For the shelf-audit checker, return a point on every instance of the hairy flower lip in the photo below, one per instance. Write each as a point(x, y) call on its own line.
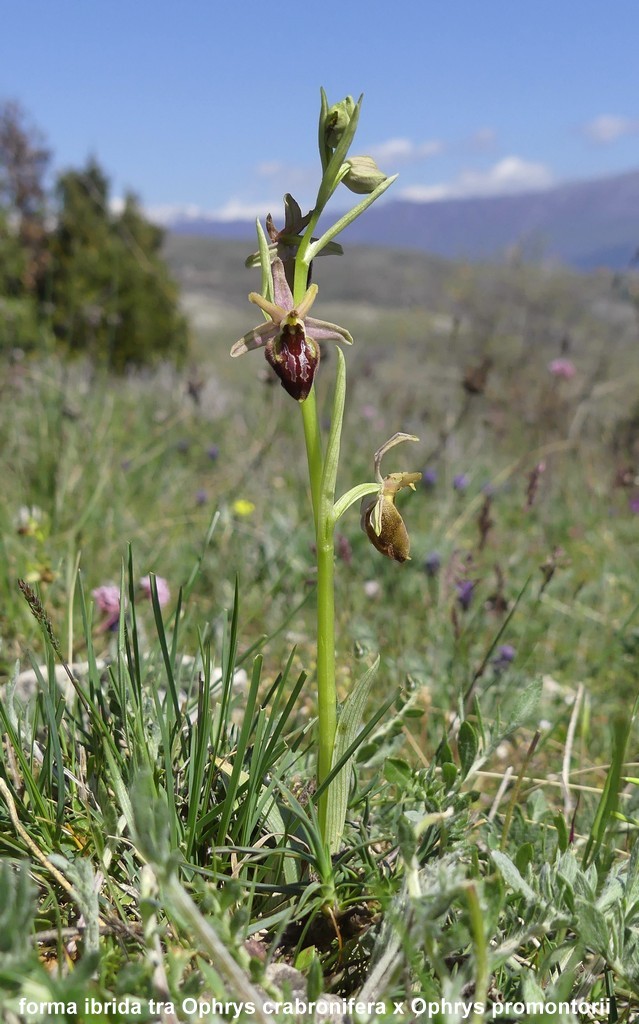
point(290, 337)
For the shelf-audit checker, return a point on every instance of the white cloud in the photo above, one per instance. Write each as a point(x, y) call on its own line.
point(507, 177)
point(237, 209)
point(394, 151)
point(167, 214)
point(608, 128)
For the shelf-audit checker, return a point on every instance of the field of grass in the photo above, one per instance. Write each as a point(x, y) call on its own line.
point(158, 832)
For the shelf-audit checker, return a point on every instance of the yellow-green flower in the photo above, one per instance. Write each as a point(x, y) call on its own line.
point(243, 507)
point(381, 521)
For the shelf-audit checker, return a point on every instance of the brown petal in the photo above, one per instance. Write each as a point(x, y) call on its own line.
point(393, 540)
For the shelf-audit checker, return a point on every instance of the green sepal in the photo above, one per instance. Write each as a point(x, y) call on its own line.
point(355, 494)
point(265, 262)
point(324, 148)
point(255, 259)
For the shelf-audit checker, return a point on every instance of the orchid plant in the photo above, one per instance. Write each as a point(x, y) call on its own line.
point(291, 341)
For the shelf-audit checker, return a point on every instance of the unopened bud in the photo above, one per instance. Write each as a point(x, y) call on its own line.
point(337, 120)
point(363, 175)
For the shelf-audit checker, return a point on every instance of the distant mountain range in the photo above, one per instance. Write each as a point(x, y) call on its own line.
point(585, 224)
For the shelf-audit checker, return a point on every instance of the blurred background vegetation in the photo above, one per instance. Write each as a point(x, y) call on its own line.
point(124, 420)
point(75, 276)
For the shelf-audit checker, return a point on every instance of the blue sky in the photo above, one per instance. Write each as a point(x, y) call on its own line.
point(213, 105)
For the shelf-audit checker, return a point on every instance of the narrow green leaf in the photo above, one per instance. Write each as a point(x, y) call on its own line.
point(468, 745)
point(610, 796)
point(242, 743)
point(331, 460)
point(315, 248)
point(348, 726)
point(563, 838)
point(265, 261)
point(164, 647)
point(195, 571)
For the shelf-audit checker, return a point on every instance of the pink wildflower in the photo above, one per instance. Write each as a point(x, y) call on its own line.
point(164, 594)
point(107, 601)
point(562, 368)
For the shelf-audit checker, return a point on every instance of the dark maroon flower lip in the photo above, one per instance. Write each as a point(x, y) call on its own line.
point(290, 337)
point(295, 359)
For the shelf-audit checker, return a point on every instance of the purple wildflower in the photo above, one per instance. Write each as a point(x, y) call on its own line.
point(213, 451)
point(634, 504)
point(505, 655)
point(429, 477)
point(164, 594)
point(201, 497)
point(460, 482)
point(465, 591)
point(563, 368)
point(432, 563)
point(107, 601)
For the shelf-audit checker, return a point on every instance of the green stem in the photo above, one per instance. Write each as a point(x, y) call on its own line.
point(302, 260)
point(326, 690)
point(314, 457)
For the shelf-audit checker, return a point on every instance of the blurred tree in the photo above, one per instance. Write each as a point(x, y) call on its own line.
point(112, 294)
point(70, 263)
point(24, 160)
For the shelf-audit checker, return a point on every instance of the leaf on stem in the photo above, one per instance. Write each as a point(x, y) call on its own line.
point(348, 727)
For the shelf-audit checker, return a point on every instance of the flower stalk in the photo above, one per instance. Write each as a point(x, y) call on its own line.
point(291, 341)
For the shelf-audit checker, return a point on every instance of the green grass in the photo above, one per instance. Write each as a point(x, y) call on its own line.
point(158, 825)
